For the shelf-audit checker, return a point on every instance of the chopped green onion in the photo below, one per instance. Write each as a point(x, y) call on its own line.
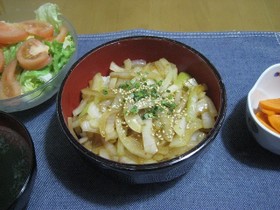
point(134, 110)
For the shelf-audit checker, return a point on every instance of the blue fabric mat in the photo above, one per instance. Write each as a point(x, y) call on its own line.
point(235, 173)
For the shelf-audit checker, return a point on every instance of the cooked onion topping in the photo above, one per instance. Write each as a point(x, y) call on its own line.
point(142, 113)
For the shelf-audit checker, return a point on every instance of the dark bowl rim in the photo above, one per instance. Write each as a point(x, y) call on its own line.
point(33, 167)
point(153, 166)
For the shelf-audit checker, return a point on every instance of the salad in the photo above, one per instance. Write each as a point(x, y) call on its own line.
point(33, 51)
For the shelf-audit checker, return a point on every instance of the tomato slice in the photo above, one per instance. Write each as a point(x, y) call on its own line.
point(10, 85)
point(2, 61)
point(33, 55)
point(11, 33)
point(2, 95)
point(62, 34)
point(38, 28)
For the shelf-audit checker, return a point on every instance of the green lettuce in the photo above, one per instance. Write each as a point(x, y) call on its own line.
point(50, 13)
point(31, 80)
point(60, 52)
point(10, 52)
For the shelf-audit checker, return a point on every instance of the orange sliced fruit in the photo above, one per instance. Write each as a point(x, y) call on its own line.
point(271, 104)
point(274, 121)
point(263, 118)
point(268, 112)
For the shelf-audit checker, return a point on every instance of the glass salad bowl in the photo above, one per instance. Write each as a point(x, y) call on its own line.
point(48, 89)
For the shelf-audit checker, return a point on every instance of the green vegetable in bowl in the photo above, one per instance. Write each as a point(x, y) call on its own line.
point(49, 13)
point(40, 48)
point(60, 52)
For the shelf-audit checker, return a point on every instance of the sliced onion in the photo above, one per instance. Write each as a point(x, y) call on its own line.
point(207, 120)
point(116, 68)
point(131, 144)
point(149, 141)
point(134, 122)
point(138, 62)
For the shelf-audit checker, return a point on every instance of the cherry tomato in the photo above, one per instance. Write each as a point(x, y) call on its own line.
point(10, 85)
point(2, 61)
point(38, 28)
point(11, 33)
point(62, 34)
point(33, 55)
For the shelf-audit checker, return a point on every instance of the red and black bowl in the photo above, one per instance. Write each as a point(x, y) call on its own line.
point(149, 49)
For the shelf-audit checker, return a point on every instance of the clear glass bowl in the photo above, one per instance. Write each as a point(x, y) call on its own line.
point(47, 90)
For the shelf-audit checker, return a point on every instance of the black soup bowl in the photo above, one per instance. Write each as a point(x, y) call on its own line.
point(17, 161)
point(149, 49)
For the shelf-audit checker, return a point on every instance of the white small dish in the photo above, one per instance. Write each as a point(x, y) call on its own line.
point(266, 87)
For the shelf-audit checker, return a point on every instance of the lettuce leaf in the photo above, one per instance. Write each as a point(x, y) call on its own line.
point(50, 13)
point(60, 52)
point(31, 80)
point(10, 52)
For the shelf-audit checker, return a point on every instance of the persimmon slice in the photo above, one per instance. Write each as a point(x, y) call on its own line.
point(269, 114)
point(274, 120)
point(264, 120)
point(267, 111)
point(271, 104)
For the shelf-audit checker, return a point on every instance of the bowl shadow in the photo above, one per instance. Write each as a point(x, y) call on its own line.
point(28, 115)
point(241, 144)
point(87, 181)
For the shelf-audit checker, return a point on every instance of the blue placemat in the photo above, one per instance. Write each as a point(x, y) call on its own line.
point(235, 173)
